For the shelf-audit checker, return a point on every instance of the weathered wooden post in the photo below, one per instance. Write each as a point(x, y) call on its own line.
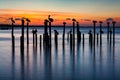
point(110, 36)
point(108, 30)
point(94, 24)
point(67, 36)
point(83, 40)
point(71, 40)
point(73, 34)
point(64, 24)
point(56, 37)
point(46, 27)
point(101, 32)
point(50, 21)
point(27, 30)
point(78, 33)
point(12, 35)
point(45, 35)
point(33, 37)
point(40, 41)
point(97, 38)
point(36, 37)
point(114, 32)
point(22, 37)
point(90, 38)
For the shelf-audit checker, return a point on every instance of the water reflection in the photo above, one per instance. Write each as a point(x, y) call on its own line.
point(63, 62)
point(13, 64)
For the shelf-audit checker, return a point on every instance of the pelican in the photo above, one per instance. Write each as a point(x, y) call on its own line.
point(50, 19)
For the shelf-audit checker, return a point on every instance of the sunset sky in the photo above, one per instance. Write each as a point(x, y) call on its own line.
point(83, 11)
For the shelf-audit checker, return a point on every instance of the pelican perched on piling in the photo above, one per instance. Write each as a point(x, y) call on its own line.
point(12, 20)
point(50, 19)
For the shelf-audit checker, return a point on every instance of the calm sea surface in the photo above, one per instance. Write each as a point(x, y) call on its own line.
point(83, 64)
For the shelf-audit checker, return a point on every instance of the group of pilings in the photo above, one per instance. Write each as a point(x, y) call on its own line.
point(70, 35)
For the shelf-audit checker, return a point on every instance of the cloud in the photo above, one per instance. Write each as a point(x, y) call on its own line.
point(1, 17)
point(17, 18)
point(86, 19)
point(68, 18)
point(109, 19)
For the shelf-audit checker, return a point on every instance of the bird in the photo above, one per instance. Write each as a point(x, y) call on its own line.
point(94, 21)
point(46, 20)
point(12, 20)
point(73, 20)
point(27, 20)
point(50, 19)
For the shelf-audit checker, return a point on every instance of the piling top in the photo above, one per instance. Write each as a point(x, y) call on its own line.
point(108, 23)
point(34, 31)
point(89, 32)
point(56, 32)
point(94, 21)
point(100, 22)
point(77, 22)
point(113, 22)
point(46, 20)
point(64, 22)
point(73, 20)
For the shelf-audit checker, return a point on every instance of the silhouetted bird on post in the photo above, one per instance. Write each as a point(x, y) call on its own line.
point(50, 21)
point(12, 26)
point(27, 30)
point(12, 35)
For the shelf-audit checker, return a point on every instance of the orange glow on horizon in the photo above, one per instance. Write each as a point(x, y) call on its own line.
point(38, 17)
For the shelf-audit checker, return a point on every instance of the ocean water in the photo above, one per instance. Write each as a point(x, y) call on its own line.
point(61, 64)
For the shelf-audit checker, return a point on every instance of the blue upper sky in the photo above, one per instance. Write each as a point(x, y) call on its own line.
point(98, 7)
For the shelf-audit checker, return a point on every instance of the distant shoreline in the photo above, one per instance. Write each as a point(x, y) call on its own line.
point(5, 27)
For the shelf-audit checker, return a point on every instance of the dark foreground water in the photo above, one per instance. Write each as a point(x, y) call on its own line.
point(61, 64)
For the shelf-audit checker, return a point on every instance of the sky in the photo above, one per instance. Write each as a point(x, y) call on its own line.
point(84, 11)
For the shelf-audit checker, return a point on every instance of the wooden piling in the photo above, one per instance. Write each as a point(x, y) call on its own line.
point(13, 44)
point(36, 38)
point(114, 32)
point(110, 36)
point(56, 37)
point(94, 24)
point(71, 41)
point(50, 33)
point(101, 32)
point(22, 37)
point(108, 30)
point(40, 41)
point(83, 40)
point(97, 38)
point(64, 23)
point(27, 32)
